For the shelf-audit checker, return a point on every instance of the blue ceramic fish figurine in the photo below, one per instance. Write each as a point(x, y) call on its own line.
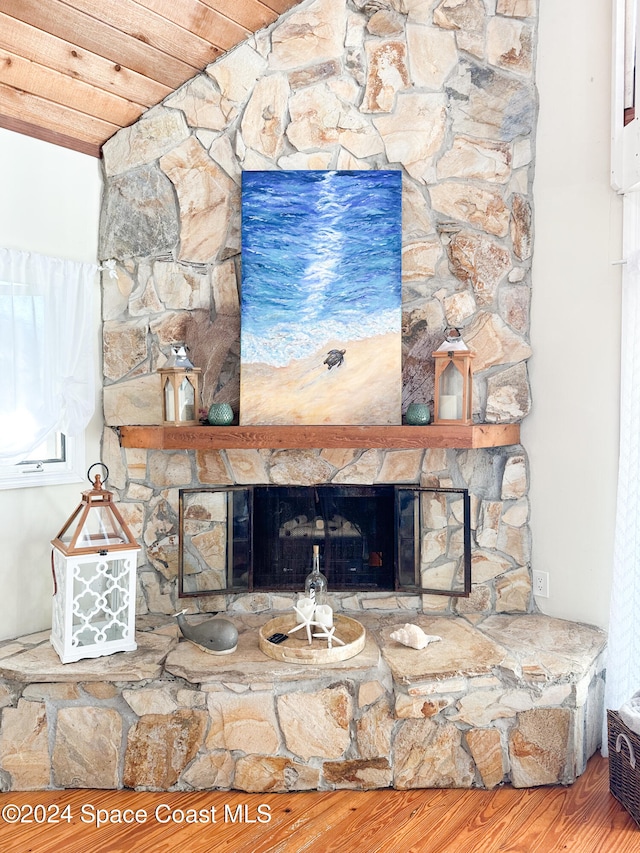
point(215, 636)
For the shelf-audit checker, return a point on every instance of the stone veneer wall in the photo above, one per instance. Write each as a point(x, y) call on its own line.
point(441, 89)
point(502, 699)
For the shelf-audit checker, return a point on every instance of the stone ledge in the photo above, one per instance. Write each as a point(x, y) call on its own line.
point(532, 647)
point(499, 699)
point(41, 663)
point(249, 665)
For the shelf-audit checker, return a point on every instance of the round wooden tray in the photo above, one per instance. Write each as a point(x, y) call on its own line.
point(296, 648)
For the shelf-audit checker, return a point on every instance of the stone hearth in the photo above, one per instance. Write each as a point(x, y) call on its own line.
point(502, 698)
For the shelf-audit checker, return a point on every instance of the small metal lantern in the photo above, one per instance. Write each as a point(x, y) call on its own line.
point(94, 572)
point(180, 389)
point(453, 396)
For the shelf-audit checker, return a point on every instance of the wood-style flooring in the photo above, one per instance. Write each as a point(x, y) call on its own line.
point(582, 818)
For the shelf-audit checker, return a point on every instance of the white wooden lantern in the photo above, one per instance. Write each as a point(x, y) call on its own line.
point(180, 389)
point(94, 572)
point(453, 393)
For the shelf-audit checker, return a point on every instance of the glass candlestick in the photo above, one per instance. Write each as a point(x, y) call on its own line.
point(315, 585)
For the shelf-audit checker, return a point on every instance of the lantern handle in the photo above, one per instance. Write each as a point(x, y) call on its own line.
point(98, 465)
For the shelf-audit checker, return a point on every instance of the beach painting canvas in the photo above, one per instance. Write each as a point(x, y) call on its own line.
point(321, 297)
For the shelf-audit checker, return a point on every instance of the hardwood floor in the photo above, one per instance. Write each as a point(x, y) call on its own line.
point(583, 818)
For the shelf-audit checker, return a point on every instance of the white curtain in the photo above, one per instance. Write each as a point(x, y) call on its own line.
point(46, 349)
point(623, 657)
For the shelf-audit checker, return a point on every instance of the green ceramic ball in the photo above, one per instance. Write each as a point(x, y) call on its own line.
point(418, 414)
point(220, 414)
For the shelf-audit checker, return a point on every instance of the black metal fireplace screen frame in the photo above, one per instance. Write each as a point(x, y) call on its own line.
point(407, 539)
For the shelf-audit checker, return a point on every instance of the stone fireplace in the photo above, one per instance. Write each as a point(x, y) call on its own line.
point(358, 94)
point(443, 91)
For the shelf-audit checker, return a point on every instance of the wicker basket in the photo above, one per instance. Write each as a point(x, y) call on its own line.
point(624, 764)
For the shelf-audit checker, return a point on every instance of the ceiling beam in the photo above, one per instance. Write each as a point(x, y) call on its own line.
point(36, 131)
point(20, 110)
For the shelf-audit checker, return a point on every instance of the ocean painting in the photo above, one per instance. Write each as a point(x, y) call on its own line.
point(321, 297)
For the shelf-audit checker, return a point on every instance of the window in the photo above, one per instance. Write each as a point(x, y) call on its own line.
point(59, 459)
point(46, 368)
point(625, 115)
point(629, 59)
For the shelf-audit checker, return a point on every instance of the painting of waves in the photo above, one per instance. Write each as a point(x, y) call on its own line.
point(321, 297)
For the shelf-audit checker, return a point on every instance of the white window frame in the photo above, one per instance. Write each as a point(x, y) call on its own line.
point(625, 139)
point(47, 473)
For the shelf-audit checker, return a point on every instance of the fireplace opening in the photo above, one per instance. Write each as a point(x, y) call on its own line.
point(353, 527)
point(259, 538)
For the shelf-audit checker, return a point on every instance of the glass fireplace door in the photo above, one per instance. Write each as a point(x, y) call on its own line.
point(261, 538)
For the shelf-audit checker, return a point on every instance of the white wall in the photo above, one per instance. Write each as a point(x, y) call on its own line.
point(49, 203)
point(572, 433)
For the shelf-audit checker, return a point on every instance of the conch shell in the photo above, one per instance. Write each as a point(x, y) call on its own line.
point(413, 636)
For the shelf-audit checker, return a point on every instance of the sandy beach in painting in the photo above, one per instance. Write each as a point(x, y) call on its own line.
point(364, 389)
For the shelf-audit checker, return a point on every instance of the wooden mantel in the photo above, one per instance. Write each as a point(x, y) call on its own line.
point(298, 437)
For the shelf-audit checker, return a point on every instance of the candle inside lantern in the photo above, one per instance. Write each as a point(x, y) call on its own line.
point(449, 407)
point(306, 606)
point(324, 615)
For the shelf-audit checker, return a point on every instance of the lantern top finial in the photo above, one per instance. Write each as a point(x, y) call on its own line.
point(98, 490)
point(98, 481)
point(179, 358)
point(453, 342)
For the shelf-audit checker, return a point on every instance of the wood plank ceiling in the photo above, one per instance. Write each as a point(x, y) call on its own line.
point(73, 72)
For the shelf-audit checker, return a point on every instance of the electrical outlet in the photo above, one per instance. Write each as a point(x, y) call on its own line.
point(541, 584)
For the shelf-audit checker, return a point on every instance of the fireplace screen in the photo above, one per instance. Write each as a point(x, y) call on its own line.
point(370, 538)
